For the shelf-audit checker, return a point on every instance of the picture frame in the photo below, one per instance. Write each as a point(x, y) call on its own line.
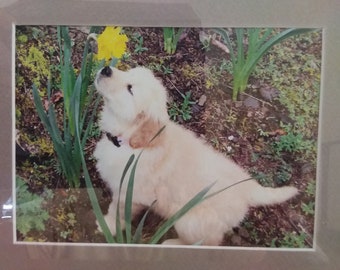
point(304, 14)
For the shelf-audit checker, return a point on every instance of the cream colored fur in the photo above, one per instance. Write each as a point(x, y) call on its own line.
point(175, 166)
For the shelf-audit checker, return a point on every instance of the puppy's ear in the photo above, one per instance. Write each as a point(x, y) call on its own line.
point(148, 134)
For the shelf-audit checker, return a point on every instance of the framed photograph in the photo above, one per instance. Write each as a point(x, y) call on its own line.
point(241, 93)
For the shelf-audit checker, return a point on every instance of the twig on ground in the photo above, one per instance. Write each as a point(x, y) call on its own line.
point(175, 87)
point(296, 229)
point(262, 101)
point(204, 37)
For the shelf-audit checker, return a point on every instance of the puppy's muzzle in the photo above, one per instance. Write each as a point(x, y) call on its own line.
point(106, 71)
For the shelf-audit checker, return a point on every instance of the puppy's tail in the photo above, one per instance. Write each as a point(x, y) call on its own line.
point(261, 196)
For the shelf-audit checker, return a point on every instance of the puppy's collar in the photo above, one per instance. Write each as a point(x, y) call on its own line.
point(117, 141)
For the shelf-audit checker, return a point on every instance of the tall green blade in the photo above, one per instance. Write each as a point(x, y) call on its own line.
point(230, 186)
point(40, 109)
point(128, 201)
point(240, 49)
point(119, 231)
point(75, 109)
point(138, 233)
point(94, 202)
point(253, 40)
point(89, 187)
point(87, 109)
point(86, 71)
point(264, 37)
point(186, 208)
point(55, 132)
point(68, 76)
point(90, 121)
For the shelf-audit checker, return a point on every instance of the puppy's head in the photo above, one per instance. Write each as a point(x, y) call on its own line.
point(136, 97)
point(130, 93)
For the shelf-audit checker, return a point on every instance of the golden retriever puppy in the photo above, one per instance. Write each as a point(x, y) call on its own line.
point(174, 167)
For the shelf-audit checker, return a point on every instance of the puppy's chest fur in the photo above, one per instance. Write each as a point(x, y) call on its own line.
point(112, 159)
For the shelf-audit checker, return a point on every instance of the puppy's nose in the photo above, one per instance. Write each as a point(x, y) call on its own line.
point(106, 71)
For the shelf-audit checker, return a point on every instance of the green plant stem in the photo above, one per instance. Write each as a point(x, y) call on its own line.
point(171, 38)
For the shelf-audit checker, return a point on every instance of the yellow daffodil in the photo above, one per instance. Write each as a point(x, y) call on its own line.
point(111, 43)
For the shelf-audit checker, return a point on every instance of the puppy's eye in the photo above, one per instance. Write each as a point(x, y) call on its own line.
point(129, 88)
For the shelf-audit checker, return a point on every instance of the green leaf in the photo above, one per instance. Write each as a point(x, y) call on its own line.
point(197, 199)
point(138, 234)
point(68, 76)
point(40, 109)
point(119, 231)
point(90, 190)
point(90, 121)
point(223, 189)
point(240, 51)
point(128, 201)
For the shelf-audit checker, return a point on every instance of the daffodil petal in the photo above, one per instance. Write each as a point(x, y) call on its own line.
point(111, 43)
